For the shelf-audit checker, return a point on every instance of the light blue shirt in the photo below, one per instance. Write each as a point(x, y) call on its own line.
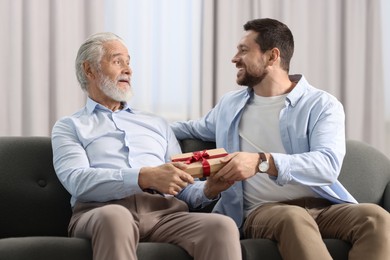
point(312, 132)
point(98, 153)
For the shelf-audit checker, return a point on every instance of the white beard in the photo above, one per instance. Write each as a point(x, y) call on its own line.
point(109, 88)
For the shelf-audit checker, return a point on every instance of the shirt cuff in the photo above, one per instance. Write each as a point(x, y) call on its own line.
point(130, 180)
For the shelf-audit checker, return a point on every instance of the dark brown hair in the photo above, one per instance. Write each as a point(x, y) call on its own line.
point(273, 34)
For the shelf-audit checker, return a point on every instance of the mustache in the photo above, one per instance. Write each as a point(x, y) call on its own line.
point(239, 65)
point(123, 78)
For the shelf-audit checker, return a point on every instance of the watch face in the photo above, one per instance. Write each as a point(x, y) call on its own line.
point(264, 166)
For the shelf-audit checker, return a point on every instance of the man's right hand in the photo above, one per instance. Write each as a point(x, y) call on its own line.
point(167, 178)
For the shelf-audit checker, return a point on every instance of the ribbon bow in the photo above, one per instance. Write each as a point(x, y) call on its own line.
point(200, 156)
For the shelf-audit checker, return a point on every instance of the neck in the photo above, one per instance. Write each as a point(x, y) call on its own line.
point(113, 105)
point(274, 86)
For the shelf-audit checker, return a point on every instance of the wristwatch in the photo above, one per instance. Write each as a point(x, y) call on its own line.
point(264, 165)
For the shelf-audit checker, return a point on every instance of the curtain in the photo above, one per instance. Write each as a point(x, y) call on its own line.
point(337, 47)
point(385, 7)
point(181, 55)
point(40, 39)
point(163, 41)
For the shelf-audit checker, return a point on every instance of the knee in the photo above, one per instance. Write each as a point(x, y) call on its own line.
point(374, 217)
point(220, 226)
point(114, 218)
point(295, 216)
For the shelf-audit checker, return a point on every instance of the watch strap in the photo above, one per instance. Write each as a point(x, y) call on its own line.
point(263, 158)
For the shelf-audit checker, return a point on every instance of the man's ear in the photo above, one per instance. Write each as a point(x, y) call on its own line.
point(274, 54)
point(88, 70)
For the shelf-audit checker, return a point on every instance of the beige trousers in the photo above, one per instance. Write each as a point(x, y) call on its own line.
point(116, 227)
point(300, 225)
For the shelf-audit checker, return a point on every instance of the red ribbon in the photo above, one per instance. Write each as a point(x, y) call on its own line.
point(200, 156)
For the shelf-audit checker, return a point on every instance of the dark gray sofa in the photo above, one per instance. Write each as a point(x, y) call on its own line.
point(35, 207)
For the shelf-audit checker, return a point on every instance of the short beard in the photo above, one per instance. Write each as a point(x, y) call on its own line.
point(251, 80)
point(109, 88)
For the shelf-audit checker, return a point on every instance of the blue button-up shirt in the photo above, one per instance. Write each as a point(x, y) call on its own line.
point(312, 132)
point(98, 153)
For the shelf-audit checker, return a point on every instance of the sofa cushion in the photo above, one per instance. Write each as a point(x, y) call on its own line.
point(269, 249)
point(161, 251)
point(64, 248)
point(35, 201)
point(38, 248)
point(250, 249)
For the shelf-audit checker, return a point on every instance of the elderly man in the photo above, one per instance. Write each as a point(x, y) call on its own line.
point(113, 159)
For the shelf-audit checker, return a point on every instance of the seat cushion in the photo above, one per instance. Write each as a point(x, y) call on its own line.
point(254, 249)
point(38, 248)
point(161, 251)
point(65, 248)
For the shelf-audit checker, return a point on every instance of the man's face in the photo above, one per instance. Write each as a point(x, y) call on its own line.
point(115, 76)
point(250, 61)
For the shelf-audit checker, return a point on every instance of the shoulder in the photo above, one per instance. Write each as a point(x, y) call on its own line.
point(68, 122)
point(308, 94)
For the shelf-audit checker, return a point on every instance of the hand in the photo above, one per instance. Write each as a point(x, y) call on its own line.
point(215, 185)
point(239, 166)
point(167, 178)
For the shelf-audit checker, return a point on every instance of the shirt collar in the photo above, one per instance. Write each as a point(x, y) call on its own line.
point(296, 94)
point(92, 105)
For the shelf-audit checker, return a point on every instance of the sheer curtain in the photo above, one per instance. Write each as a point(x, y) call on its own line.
point(385, 7)
point(338, 49)
point(163, 40)
point(40, 39)
point(181, 55)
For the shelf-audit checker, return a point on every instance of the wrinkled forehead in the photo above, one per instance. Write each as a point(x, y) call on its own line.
point(114, 49)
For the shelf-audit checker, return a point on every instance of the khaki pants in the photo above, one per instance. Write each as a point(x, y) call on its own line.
point(116, 227)
point(300, 225)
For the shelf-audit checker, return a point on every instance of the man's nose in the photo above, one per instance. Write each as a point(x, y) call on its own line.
point(127, 70)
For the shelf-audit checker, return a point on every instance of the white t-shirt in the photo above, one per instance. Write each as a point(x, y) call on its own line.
point(259, 132)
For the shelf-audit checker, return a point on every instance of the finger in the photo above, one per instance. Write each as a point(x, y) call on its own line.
point(182, 174)
point(228, 157)
point(171, 191)
point(182, 184)
point(180, 181)
point(174, 189)
point(180, 165)
point(224, 170)
point(186, 177)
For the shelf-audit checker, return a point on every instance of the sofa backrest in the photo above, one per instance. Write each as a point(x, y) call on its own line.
point(32, 200)
point(193, 145)
point(366, 173)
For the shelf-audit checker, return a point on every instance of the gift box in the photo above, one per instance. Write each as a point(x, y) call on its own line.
point(202, 163)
